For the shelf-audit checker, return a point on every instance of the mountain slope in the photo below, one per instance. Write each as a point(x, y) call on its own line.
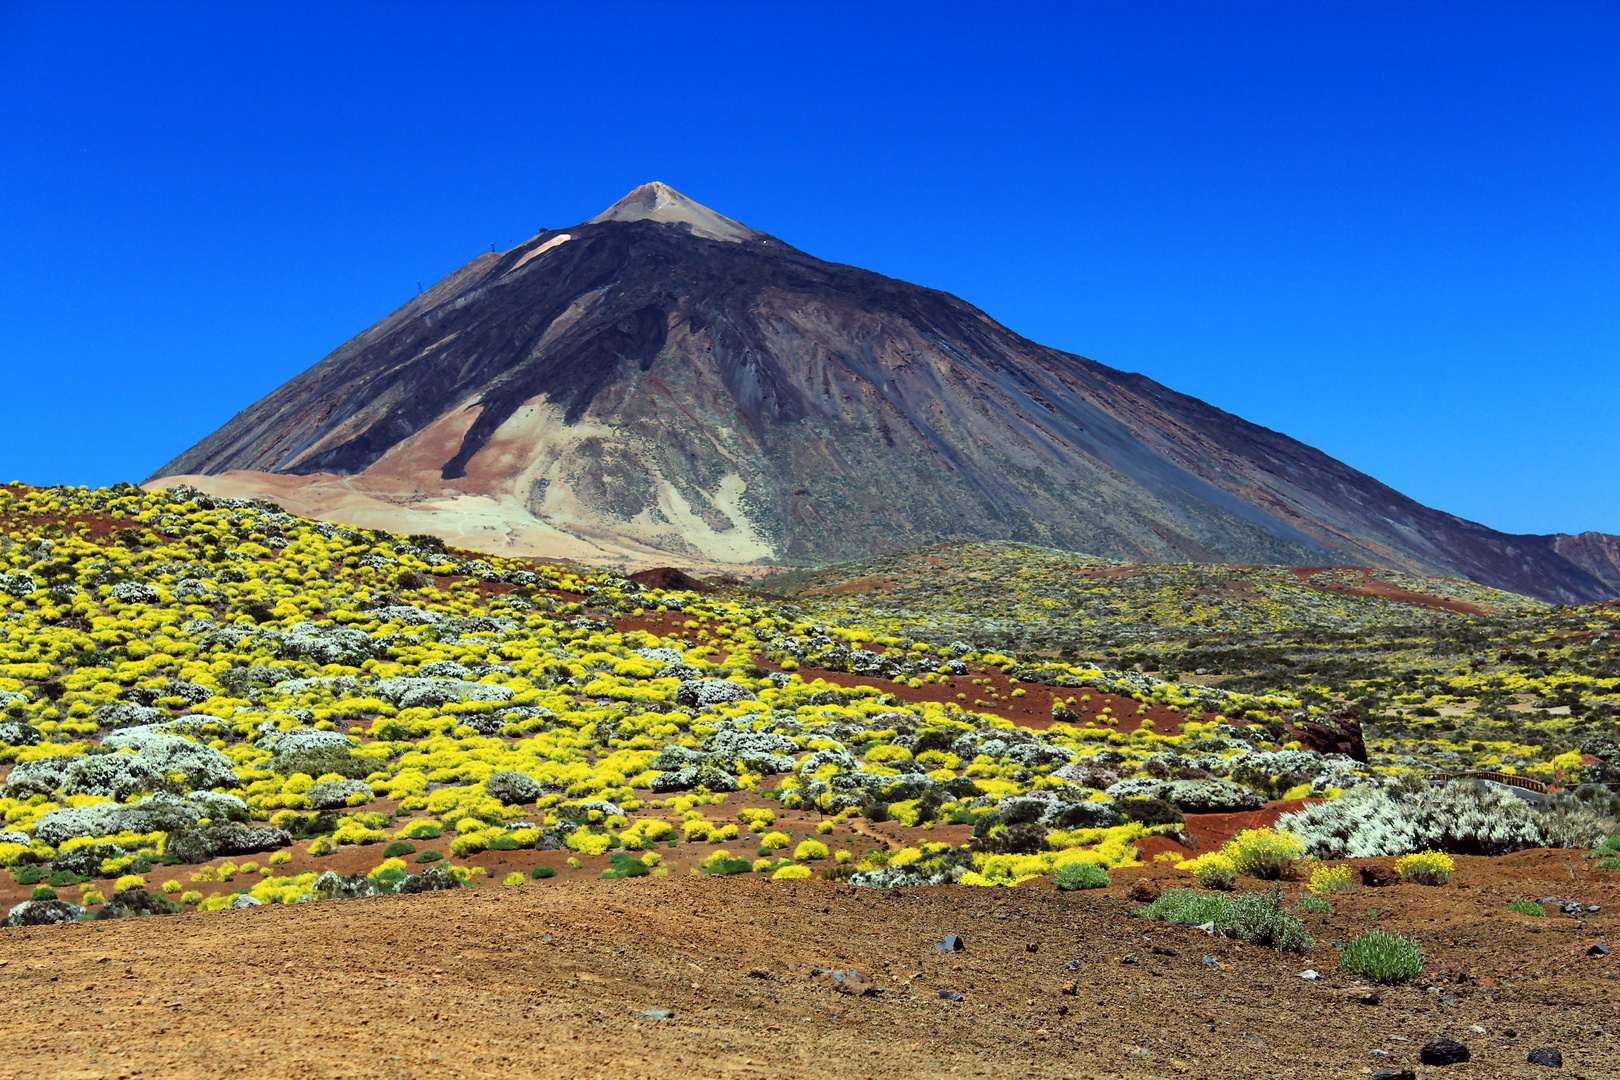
point(666, 378)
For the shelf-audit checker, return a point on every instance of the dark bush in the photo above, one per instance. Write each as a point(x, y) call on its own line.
point(141, 902)
point(85, 861)
point(319, 760)
point(399, 848)
point(433, 879)
point(1021, 839)
point(1149, 811)
point(540, 872)
point(411, 580)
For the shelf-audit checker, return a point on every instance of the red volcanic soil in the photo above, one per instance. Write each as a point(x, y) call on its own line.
point(1373, 586)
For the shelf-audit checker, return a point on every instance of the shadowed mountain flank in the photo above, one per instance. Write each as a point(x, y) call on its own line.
point(666, 377)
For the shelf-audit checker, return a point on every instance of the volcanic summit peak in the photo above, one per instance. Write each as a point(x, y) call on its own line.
point(660, 202)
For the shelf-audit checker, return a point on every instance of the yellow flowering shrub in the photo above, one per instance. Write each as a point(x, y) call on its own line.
point(586, 842)
point(1212, 870)
point(810, 850)
point(1426, 867)
point(791, 872)
point(1262, 853)
point(757, 820)
point(1330, 879)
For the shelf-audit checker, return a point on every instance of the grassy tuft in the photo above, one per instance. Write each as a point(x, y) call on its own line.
point(1383, 957)
point(1080, 875)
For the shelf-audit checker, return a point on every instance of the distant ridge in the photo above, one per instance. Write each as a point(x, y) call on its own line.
point(665, 384)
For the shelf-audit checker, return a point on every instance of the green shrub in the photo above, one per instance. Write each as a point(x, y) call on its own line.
point(27, 875)
point(624, 865)
point(1259, 918)
point(1184, 905)
point(1315, 905)
point(1080, 875)
point(398, 848)
point(1383, 957)
point(44, 892)
point(541, 872)
point(1609, 864)
point(727, 867)
point(429, 856)
point(1526, 907)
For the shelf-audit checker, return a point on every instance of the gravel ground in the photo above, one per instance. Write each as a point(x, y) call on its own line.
point(549, 979)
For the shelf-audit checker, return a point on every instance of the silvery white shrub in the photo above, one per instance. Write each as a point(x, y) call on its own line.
point(134, 592)
point(18, 583)
point(700, 693)
point(513, 787)
point(334, 794)
point(408, 693)
point(328, 644)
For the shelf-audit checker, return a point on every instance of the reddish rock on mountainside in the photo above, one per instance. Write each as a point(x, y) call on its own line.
point(1343, 737)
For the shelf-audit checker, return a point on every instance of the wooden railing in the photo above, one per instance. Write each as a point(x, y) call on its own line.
point(1498, 777)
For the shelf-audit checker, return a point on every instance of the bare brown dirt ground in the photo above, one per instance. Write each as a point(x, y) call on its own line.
point(1053, 985)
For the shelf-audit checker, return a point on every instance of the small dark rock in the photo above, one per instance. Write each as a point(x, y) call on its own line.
point(1599, 949)
point(1546, 1055)
point(949, 995)
point(1032, 946)
point(759, 973)
point(1443, 1051)
point(1371, 997)
point(1144, 892)
point(656, 1014)
point(1376, 876)
point(1392, 1074)
point(952, 943)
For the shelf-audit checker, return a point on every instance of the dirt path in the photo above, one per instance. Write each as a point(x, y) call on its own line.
point(471, 985)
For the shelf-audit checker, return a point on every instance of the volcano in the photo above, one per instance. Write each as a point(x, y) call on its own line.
point(662, 383)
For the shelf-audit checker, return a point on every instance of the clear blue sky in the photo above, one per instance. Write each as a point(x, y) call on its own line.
point(1389, 230)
